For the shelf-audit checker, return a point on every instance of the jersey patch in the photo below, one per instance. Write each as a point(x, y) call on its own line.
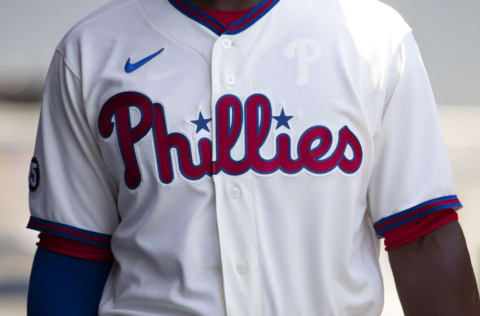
point(34, 175)
point(254, 117)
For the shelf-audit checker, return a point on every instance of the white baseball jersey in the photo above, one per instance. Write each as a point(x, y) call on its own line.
point(240, 171)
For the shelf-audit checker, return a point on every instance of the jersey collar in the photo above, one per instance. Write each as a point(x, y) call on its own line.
point(209, 22)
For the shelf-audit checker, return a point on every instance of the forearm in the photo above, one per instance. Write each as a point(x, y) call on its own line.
point(434, 275)
point(64, 285)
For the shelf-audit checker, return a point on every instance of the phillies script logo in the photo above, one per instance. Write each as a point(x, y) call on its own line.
point(255, 116)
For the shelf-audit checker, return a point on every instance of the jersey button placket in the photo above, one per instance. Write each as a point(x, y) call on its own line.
point(235, 216)
point(230, 79)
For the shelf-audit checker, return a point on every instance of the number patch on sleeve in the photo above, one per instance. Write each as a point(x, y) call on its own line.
point(34, 175)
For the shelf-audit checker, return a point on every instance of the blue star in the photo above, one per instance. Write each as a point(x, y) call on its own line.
point(201, 123)
point(282, 120)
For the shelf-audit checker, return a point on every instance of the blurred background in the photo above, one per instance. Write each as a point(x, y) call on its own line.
point(447, 32)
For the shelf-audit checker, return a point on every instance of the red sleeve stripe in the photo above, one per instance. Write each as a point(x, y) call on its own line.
point(72, 248)
point(416, 212)
point(402, 235)
point(70, 232)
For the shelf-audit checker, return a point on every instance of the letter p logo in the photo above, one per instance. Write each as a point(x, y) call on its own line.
point(306, 51)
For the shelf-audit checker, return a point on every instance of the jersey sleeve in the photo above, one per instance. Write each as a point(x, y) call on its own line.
point(411, 178)
point(72, 195)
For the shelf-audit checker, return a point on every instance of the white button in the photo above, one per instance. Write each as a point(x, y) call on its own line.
point(234, 193)
point(226, 43)
point(241, 269)
point(230, 80)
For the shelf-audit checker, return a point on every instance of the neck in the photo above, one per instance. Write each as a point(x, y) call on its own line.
point(225, 5)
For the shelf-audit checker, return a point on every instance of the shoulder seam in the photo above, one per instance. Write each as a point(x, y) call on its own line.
point(94, 15)
point(80, 24)
point(69, 66)
point(391, 58)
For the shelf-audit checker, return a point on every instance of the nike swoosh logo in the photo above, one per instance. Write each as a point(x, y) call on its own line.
point(129, 67)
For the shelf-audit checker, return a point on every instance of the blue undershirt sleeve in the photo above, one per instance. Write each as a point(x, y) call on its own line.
point(64, 285)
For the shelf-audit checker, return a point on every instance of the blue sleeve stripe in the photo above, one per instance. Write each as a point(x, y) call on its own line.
point(416, 212)
point(412, 209)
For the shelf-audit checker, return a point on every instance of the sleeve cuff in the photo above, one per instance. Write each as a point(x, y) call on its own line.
point(418, 220)
point(70, 232)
